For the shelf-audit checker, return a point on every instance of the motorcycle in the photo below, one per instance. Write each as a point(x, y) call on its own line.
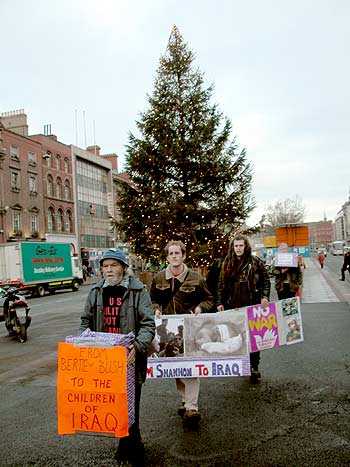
point(14, 310)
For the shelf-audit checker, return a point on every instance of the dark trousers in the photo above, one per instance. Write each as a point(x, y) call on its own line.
point(133, 441)
point(343, 273)
point(286, 292)
point(254, 360)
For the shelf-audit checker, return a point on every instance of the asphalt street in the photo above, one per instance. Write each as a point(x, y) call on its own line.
point(298, 416)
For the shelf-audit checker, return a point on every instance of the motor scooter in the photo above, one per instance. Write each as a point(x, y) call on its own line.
point(14, 310)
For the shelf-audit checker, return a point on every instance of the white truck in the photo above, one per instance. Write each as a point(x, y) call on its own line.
point(39, 267)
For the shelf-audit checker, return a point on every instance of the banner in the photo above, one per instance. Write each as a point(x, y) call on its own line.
point(205, 345)
point(92, 390)
point(218, 344)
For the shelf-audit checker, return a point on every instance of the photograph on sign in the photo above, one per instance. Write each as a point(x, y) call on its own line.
point(169, 331)
point(219, 334)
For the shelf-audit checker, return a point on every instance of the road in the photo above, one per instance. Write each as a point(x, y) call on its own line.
point(298, 416)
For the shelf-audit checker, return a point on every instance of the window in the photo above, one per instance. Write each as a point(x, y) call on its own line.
point(67, 190)
point(49, 160)
point(58, 162)
point(16, 221)
point(50, 220)
point(66, 165)
point(68, 222)
point(15, 180)
point(32, 183)
point(31, 158)
point(59, 188)
point(14, 152)
point(59, 220)
point(34, 223)
point(49, 186)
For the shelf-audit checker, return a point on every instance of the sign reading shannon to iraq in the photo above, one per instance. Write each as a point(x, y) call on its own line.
point(218, 344)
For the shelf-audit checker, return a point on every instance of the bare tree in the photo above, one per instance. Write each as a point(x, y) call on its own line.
point(288, 211)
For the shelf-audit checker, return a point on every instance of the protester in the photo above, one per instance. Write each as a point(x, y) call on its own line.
point(346, 265)
point(120, 303)
point(180, 290)
point(288, 280)
point(243, 281)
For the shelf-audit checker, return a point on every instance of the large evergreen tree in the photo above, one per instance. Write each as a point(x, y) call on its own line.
point(192, 183)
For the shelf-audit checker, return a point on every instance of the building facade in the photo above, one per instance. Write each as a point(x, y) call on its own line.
point(94, 203)
point(342, 223)
point(22, 214)
point(321, 233)
point(57, 170)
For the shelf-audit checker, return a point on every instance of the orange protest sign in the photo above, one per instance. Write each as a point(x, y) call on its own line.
point(92, 390)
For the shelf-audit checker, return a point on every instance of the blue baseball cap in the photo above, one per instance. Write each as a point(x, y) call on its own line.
point(115, 254)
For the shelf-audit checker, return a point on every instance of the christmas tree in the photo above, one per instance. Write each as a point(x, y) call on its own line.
point(193, 183)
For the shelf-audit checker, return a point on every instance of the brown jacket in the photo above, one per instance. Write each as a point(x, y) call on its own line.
point(180, 297)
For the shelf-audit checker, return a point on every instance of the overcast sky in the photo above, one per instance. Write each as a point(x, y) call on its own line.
point(281, 72)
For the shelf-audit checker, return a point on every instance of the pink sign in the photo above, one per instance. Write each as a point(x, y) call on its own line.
point(263, 328)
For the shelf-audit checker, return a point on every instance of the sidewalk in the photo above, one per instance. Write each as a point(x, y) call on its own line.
point(316, 288)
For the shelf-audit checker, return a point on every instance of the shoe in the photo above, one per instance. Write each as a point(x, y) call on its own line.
point(255, 376)
point(192, 415)
point(181, 410)
point(341, 279)
point(130, 455)
point(191, 420)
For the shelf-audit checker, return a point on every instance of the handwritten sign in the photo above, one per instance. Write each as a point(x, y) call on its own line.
point(92, 390)
point(263, 327)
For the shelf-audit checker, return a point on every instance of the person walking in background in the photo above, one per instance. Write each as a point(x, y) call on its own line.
point(321, 258)
point(288, 280)
point(346, 265)
point(180, 290)
point(119, 303)
point(243, 281)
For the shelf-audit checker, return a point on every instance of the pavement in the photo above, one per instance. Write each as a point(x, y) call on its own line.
point(316, 287)
point(299, 416)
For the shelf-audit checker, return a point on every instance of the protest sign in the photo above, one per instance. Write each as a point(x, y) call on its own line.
point(92, 390)
point(218, 344)
point(286, 260)
point(263, 327)
point(279, 324)
point(205, 345)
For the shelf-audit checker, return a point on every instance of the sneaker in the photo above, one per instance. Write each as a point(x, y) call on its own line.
point(255, 376)
point(181, 410)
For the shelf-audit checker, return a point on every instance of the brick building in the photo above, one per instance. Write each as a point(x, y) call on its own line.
point(22, 214)
point(321, 233)
point(57, 169)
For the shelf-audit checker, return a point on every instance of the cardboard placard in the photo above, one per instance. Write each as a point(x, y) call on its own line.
point(92, 390)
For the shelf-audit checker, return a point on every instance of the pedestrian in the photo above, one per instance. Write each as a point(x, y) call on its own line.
point(180, 290)
point(243, 281)
point(321, 258)
point(84, 272)
point(346, 265)
point(119, 303)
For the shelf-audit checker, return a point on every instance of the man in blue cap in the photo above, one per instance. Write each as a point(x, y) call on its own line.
point(120, 303)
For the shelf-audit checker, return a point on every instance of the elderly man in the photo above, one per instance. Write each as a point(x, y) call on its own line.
point(180, 290)
point(119, 303)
